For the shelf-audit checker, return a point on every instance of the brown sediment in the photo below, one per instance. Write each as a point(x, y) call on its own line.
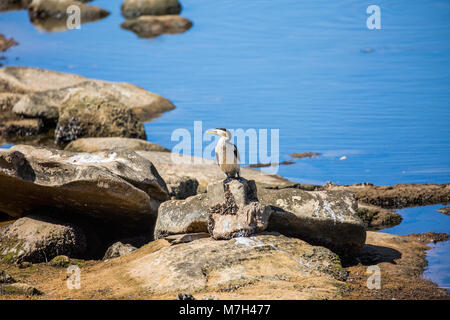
point(402, 260)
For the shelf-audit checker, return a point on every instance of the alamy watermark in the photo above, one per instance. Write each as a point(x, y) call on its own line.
point(374, 280)
point(253, 145)
point(374, 20)
point(74, 279)
point(73, 17)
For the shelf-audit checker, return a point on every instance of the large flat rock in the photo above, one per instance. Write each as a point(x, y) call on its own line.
point(112, 186)
point(327, 218)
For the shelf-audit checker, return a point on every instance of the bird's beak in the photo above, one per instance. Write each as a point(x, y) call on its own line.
point(212, 132)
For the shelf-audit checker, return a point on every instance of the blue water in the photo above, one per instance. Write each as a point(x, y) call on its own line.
point(311, 69)
point(426, 219)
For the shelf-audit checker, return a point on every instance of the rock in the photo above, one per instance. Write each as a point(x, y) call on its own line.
point(187, 237)
point(6, 278)
point(263, 261)
point(182, 216)
point(51, 15)
point(182, 188)
point(235, 210)
point(103, 144)
point(377, 218)
point(445, 210)
point(82, 115)
point(5, 43)
point(7, 5)
point(134, 8)
point(60, 261)
point(153, 26)
point(398, 196)
point(8, 100)
point(19, 289)
point(118, 249)
point(46, 90)
point(305, 155)
point(185, 296)
point(23, 127)
point(119, 188)
point(38, 239)
point(327, 218)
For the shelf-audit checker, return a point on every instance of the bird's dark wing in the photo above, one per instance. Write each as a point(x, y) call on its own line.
point(236, 153)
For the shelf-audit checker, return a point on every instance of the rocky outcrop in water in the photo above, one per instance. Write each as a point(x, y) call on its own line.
point(153, 26)
point(134, 8)
point(6, 43)
point(51, 15)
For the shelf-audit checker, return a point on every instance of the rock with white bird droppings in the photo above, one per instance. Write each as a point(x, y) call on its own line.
point(319, 217)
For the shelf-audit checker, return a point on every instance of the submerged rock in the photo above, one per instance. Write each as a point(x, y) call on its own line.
point(235, 210)
point(51, 15)
point(265, 260)
point(38, 239)
point(117, 187)
point(118, 249)
point(153, 26)
point(377, 218)
point(110, 143)
point(134, 8)
point(84, 115)
point(327, 218)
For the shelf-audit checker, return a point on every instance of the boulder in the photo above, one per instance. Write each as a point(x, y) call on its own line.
point(263, 261)
point(182, 188)
point(39, 239)
point(376, 218)
point(186, 237)
point(46, 90)
point(118, 249)
point(19, 288)
point(153, 26)
point(110, 143)
point(51, 15)
point(235, 210)
point(134, 8)
point(327, 218)
point(182, 216)
point(83, 115)
point(7, 5)
point(117, 187)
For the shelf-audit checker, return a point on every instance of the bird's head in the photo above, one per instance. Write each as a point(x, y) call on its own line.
point(221, 132)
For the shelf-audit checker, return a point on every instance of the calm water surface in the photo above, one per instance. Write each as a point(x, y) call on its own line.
point(309, 68)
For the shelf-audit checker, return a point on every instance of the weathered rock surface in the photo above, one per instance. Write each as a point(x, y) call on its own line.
point(110, 143)
point(37, 239)
point(82, 115)
point(182, 188)
point(117, 187)
point(153, 26)
point(7, 5)
point(235, 210)
point(19, 288)
point(377, 218)
point(209, 265)
point(51, 15)
point(320, 217)
point(5, 277)
point(398, 196)
point(186, 237)
point(134, 8)
point(22, 127)
point(118, 249)
point(182, 216)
